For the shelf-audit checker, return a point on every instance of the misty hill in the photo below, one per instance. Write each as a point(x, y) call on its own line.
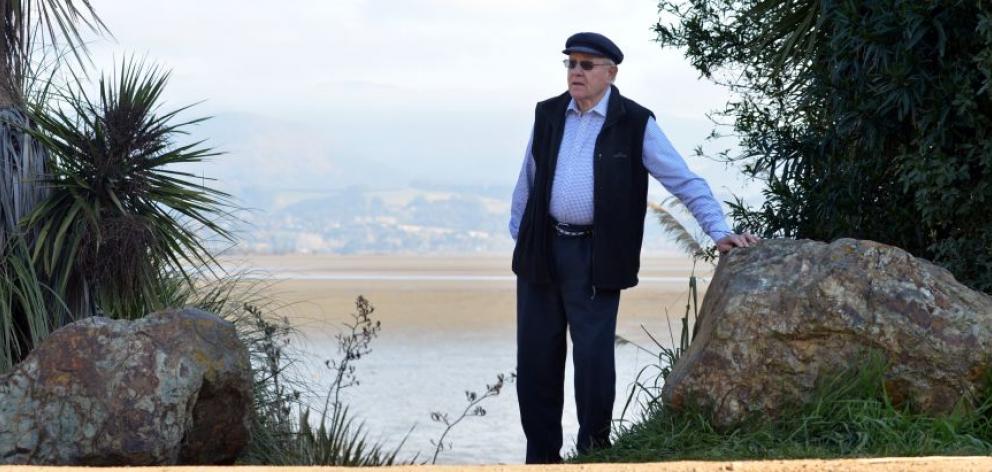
point(428, 219)
point(306, 194)
point(361, 220)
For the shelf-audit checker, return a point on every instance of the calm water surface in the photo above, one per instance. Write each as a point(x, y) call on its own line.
point(414, 371)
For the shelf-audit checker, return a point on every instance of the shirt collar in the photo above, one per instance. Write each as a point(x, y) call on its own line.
point(600, 107)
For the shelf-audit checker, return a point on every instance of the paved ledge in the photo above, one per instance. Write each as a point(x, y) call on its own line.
point(914, 464)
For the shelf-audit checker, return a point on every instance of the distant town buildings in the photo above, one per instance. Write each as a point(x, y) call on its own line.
point(398, 221)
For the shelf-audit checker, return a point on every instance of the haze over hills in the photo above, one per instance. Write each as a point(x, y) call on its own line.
point(304, 193)
point(330, 96)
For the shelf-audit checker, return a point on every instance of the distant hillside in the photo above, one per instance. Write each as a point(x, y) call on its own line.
point(356, 220)
point(305, 194)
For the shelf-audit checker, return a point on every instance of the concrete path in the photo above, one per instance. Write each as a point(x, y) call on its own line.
point(916, 464)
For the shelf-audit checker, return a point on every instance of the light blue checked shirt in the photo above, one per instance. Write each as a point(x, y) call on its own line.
point(572, 190)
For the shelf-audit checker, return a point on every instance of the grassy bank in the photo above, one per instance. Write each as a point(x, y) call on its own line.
point(851, 416)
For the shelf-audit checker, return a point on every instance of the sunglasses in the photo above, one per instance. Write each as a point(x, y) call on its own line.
point(585, 65)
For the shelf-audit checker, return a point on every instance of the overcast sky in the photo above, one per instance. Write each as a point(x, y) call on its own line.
point(439, 89)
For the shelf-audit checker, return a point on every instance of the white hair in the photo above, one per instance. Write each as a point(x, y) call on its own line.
point(614, 64)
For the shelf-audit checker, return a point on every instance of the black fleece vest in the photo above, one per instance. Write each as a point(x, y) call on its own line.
point(620, 194)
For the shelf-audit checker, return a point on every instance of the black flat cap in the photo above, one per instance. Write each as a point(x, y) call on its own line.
point(593, 43)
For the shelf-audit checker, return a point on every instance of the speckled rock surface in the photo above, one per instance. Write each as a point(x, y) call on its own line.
point(171, 388)
point(778, 315)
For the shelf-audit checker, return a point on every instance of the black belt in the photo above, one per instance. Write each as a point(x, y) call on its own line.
point(570, 230)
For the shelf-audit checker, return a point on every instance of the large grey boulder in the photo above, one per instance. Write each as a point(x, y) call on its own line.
point(171, 388)
point(779, 315)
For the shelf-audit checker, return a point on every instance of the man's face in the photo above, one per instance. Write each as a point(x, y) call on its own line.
point(589, 84)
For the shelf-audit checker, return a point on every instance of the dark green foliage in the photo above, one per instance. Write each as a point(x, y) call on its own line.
point(121, 216)
point(868, 119)
point(28, 309)
point(29, 31)
point(31, 28)
point(119, 228)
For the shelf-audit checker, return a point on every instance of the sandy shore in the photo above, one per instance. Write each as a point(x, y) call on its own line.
point(455, 316)
point(673, 264)
point(485, 299)
point(918, 464)
point(480, 303)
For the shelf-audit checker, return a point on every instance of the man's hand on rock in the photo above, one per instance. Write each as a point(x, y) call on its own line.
point(731, 241)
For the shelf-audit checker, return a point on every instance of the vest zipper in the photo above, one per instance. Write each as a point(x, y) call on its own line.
point(597, 159)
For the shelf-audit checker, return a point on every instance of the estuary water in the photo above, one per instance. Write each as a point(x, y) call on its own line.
point(447, 330)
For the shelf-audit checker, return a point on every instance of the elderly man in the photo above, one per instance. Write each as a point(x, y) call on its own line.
point(578, 220)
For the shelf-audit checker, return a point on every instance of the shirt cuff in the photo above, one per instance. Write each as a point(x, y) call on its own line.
point(719, 234)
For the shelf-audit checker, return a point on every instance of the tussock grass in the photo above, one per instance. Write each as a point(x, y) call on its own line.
point(851, 415)
point(283, 431)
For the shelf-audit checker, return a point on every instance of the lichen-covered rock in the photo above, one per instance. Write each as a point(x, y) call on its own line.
point(779, 314)
point(171, 388)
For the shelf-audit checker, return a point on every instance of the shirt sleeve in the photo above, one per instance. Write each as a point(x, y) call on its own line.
point(665, 164)
point(522, 190)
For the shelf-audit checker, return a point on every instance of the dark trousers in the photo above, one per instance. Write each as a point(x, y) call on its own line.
point(543, 313)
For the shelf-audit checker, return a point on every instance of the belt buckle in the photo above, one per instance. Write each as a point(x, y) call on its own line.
point(564, 232)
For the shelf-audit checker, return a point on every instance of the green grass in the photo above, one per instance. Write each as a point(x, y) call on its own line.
point(850, 416)
point(850, 413)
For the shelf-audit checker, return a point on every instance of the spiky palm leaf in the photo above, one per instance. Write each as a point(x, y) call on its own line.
point(120, 214)
point(30, 31)
point(28, 309)
point(339, 441)
point(22, 164)
point(19, 192)
point(30, 26)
